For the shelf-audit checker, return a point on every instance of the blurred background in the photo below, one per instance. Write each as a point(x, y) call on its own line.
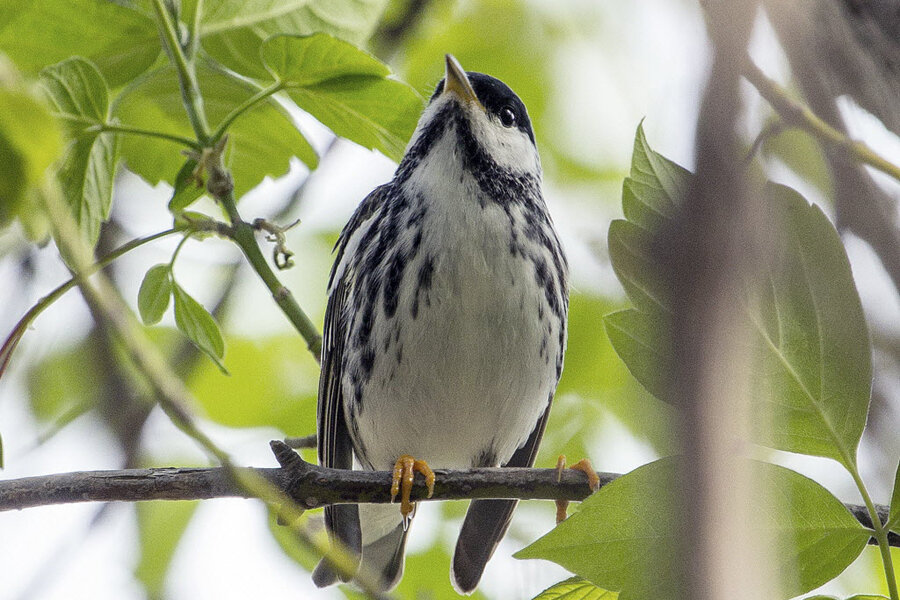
point(588, 72)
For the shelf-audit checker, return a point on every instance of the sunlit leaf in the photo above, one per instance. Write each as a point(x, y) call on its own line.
point(79, 94)
point(121, 41)
point(198, 325)
point(233, 30)
point(346, 89)
point(161, 525)
point(576, 588)
point(155, 293)
point(78, 91)
point(260, 142)
point(30, 141)
point(625, 537)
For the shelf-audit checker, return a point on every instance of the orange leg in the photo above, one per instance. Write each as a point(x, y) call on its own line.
point(404, 471)
point(583, 465)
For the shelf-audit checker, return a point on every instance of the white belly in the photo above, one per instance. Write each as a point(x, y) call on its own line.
point(465, 381)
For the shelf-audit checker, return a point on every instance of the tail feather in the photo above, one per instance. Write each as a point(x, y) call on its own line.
point(485, 524)
point(384, 558)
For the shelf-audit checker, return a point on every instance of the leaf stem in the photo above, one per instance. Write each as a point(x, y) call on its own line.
point(244, 107)
point(796, 114)
point(881, 535)
point(244, 236)
point(187, 76)
point(113, 127)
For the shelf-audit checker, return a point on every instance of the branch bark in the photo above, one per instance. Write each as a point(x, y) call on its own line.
point(311, 486)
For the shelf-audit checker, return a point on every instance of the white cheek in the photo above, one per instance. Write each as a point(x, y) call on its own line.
point(508, 146)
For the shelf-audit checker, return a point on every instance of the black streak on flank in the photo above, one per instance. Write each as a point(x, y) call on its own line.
point(426, 272)
point(396, 269)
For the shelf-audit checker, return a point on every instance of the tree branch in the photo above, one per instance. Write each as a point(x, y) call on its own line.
point(310, 486)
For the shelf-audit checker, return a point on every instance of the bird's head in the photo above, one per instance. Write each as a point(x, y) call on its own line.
point(479, 119)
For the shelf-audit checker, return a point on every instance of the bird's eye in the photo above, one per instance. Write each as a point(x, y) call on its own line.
point(507, 117)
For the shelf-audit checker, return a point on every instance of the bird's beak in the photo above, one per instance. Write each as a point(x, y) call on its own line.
point(456, 82)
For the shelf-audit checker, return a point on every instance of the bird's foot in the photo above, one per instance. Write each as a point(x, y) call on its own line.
point(404, 471)
point(583, 465)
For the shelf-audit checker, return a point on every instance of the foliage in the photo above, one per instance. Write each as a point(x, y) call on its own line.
point(174, 91)
point(812, 380)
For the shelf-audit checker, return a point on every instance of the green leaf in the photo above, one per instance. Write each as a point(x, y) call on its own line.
point(814, 369)
point(62, 386)
point(812, 365)
point(199, 326)
point(30, 141)
point(273, 383)
point(346, 89)
point(232, 31)
point(187, 188)
point(161, 524)
point(261, 141)
point(122, 42)
point(638, 341)
point(1, 452)
point(79, 93)
point(312, 59)
point(576, 588)
point(155, 293)
point(894, 518)
point(625, 536)
point(631, 252)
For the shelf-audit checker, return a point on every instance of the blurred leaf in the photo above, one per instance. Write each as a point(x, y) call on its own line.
point(802, 154)
point(894, 519)
point(575, 588)
point(1, 452)
point(79, 93)
point(299, 552)
point(813, 366)
point(155, 293)
point(30, 141)
point(625, 536)
point(187, 188)
point(856, 597)
point(232, 31)
point(346, 89)
point(63, 385)
point(199, 326)
point(273, 383)
point(122, 42)
point(161, 524)
point(426, 575)
point(260, 142)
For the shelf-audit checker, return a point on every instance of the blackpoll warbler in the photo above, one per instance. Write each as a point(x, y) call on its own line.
point(446, 322)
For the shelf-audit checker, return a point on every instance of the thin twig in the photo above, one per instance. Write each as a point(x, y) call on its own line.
point(309, 485)
point(798, 115)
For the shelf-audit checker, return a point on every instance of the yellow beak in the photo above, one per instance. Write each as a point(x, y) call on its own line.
point(456, 82)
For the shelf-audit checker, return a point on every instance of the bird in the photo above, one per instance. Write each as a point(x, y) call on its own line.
point(445, 325)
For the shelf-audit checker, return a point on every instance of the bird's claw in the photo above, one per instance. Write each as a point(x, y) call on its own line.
point(404, 471)
point(583, 465)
